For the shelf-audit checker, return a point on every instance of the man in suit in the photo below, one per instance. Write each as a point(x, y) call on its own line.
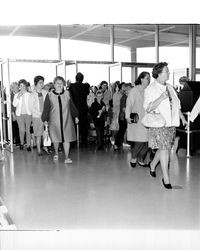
point(183, 83)
point(79, 92)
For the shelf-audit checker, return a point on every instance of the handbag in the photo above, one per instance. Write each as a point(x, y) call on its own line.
point(46, 137)
point(134, 117)
point(153, 120)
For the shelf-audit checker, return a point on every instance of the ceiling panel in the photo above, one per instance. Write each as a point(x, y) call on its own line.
point(128, 35)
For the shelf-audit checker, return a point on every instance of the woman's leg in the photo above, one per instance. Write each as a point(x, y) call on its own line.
point(137, 146)
point(56, 144)
point(164, 161)
point(21, 125)
point(142, 152)
point(38, 144)
point(28, 134)
point(66, 146)
point(120, 133)
point(155, 160)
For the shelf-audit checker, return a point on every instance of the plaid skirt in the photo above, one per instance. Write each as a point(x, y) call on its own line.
point(162, 138)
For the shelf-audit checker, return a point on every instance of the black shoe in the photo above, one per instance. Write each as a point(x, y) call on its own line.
point(152, 173)
point(168, 186)
point(115, 148)
point(21, 147)
point(99, 147)
point(133, 164)
point(29, 148)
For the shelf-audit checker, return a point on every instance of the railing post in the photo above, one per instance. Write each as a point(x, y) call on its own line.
point(188, 135)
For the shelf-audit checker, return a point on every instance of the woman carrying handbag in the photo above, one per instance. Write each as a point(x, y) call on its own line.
point(161, 98)
point(136, 132)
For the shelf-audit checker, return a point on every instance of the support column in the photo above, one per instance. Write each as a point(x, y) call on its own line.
point(134, 70)
point(157, 43)
point(59, 42)
point(112, 42)
point(192, 52)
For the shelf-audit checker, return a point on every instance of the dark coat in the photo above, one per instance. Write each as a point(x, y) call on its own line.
point(79, 93)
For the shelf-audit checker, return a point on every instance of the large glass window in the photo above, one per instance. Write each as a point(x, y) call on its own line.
point(176, 57)
point(47, 49)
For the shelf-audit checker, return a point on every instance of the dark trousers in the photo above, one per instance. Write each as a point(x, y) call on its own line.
point(139, 150)
point(120, 134)
point(83, 129)
point(15, 130)
point(100, 134)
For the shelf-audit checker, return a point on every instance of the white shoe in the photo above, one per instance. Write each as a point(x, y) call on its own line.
point(126, 145)
point(68, 160)
point(55, 158)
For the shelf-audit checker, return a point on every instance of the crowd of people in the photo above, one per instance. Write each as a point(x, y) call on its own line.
point(117, 110)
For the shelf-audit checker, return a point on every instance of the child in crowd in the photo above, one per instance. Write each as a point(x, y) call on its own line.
point(97, 112)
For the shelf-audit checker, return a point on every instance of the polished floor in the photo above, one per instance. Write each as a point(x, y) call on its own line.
point(99, 190)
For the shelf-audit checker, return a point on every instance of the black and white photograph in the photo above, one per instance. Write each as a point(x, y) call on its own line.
point(99, 126)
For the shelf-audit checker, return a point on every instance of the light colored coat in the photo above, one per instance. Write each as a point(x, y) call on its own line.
point(153, 91)
point(195, 111)
point(17, 102)
point(134, 104)
point(34, 104)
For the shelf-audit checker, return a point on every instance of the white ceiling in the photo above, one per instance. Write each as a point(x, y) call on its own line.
point(128, 35)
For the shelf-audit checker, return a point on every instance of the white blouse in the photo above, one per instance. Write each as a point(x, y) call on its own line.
point(153, 91)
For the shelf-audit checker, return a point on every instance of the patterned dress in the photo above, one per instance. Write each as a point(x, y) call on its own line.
point(162, 138)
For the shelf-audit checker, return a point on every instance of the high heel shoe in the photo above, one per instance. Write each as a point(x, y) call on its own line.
point(152, 173)
point(168, 186)
point(133, 164)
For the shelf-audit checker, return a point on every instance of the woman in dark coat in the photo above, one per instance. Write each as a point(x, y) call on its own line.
point(59, 112)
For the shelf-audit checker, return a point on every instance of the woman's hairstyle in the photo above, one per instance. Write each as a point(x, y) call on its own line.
point(13, 84)
point(99, 92)
point(103, 82)
point(158, 68)
point(183, 79)
point(141, 76)
point(120, 85)
point(59, 78)
point(37, 79)
point(22, 81)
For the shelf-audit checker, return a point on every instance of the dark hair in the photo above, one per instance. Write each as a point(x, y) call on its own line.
point(128, 84)
point(59, 78)
point(103, 82)
point(120, 85)
point(111, 103)
point(158, 68)
point(79, 77)
point(99, 92)
point(37, 79)
point(141, 76)
point(23, 81)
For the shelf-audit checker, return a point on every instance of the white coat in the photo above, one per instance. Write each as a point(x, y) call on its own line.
point(34, 104)
point(17, 102)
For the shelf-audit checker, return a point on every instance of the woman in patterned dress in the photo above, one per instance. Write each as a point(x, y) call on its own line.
point(59, 112)
point(162, 98)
